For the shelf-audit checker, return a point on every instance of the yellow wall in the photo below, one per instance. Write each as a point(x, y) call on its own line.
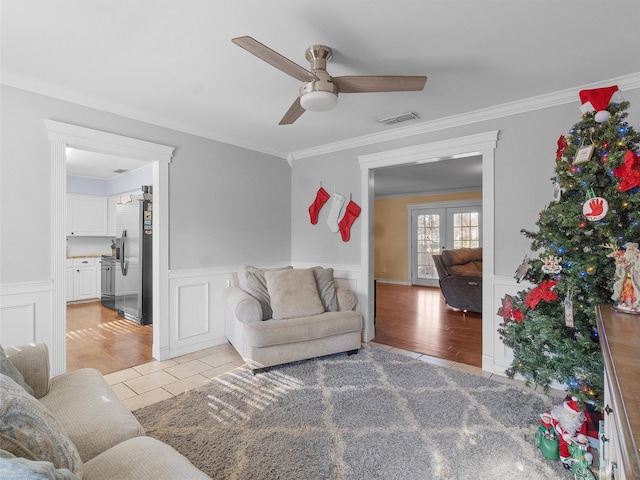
point(390, 230)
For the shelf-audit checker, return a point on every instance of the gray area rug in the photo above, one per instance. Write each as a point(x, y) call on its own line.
point(374, 415)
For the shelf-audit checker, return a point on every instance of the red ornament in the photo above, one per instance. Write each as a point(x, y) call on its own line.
point(518, 316)
point(541, 292)
point(629, 171)
point(562, 147)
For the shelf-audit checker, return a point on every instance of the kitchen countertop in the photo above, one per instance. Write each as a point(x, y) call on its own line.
point(90, 255)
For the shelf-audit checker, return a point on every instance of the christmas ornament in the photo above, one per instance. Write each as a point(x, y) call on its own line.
point(314, 209)
point(541, 292)
point(507, 312)
point(557, 190)
point(595, 208)
point(551, 264)
point(584, 154)
point(568, 309)
point(351, 213)
point(334, 213)
point(562, 147)
point(629, 171)
point(522, 269)
point(597, 100)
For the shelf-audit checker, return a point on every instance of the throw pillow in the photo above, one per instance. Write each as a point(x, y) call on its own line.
point(251, 279)
point(18, 468)
point(293, 293)
point(9, 369)
point(29, 430)
point(326, 288)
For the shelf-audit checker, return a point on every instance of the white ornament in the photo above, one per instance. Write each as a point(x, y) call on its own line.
point(595, 208)
point(551, 264)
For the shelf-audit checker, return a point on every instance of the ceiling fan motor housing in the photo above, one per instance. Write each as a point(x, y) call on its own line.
point(318, 55)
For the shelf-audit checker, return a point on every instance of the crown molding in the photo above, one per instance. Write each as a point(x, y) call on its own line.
point(627, 82)
point(11, 79)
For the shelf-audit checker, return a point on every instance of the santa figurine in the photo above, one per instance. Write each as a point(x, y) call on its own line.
point(569, 421)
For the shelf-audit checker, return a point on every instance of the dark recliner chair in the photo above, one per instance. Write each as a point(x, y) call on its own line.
point(460, 273)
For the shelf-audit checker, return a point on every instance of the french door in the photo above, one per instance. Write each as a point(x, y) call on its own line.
point(435, 228)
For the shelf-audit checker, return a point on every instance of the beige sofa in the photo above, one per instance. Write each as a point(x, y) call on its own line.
point(285, 315)
point(74, 426)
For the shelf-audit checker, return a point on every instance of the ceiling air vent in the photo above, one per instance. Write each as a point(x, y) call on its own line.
point(120, 170)
point(399, 118)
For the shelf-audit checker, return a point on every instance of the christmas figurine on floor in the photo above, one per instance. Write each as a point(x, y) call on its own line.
point(570, 425)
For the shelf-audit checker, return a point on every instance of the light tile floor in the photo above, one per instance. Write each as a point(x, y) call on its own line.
point(155, 381)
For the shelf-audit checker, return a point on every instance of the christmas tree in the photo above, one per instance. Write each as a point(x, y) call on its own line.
point(586, 249)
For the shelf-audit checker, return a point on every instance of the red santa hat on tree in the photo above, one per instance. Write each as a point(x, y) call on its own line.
point(597, 99)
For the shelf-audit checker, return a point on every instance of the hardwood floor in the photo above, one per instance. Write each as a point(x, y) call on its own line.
point(97, 337)
point(417, 319)
point(407, 317)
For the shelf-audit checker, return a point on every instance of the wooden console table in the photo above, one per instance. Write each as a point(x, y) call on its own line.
point(620, 342)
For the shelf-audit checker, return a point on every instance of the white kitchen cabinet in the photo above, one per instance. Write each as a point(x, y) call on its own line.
point(86, 215)
point(84, 279)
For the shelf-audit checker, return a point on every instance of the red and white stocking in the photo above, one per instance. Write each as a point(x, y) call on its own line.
point(350, 214)
point(314, 209)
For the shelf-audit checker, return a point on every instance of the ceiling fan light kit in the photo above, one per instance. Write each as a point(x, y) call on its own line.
point(319, 101)
point(320, 91)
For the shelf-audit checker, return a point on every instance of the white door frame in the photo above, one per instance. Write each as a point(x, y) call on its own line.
point(481, 143)
point(63, 135)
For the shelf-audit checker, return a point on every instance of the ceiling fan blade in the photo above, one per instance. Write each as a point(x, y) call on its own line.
point(379, 83)
point(294, 112)
point(274, 58)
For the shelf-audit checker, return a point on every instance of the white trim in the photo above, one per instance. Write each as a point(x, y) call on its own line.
point(627, 82)
point(25, 313)
point(482, 143)
point(60, 136)
point(20, 288)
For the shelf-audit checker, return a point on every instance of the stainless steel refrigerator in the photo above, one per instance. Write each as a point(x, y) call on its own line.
point(133, 278)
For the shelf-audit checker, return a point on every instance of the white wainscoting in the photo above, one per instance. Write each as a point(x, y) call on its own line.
point(197, 304)
point(25, 315)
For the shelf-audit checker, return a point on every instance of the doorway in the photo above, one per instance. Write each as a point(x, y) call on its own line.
point(482, 144)
point(97, 335)
point(61, 136)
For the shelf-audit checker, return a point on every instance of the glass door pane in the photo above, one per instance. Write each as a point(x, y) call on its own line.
point(464, 227)
point(427, 238)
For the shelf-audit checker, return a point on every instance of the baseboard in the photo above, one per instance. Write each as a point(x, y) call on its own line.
point(393, 282)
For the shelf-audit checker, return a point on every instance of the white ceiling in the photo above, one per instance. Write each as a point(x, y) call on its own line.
point(82, 163)
point(172, 63)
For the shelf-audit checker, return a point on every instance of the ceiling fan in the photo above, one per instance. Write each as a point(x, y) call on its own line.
point(320, 90)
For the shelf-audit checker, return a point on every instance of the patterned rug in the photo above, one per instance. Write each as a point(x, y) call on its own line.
point(374, 415)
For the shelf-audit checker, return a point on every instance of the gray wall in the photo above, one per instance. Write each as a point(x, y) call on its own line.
point(227, 205)
point(524, 164)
